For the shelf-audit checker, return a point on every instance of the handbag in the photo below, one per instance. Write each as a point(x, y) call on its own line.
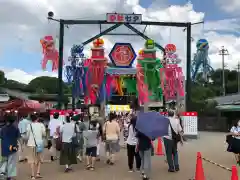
point(104, 135)
point(75, 139)
point(58, 140)
point(176, 137)
point(39, 146)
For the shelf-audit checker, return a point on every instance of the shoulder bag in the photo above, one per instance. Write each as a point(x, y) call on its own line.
point(75, 139)
point(176, 137)
point(104, 132)
point(39, 146)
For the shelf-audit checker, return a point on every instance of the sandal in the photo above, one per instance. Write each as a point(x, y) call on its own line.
point(88, 167)
point(33, 177)
point(92, 168)
point(108, 161)
point(38, 176)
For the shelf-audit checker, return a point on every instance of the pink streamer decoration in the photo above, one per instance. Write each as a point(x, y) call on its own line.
point(108, 85)
point(141, 86)
point(94, 77)
point(173, 81)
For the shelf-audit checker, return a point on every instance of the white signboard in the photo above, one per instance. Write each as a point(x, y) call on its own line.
point(190, 123)
point(124, 18)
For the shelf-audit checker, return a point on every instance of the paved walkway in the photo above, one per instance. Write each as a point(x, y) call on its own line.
point(210, 144)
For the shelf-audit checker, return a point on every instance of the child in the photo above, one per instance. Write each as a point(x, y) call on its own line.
point(91, 140)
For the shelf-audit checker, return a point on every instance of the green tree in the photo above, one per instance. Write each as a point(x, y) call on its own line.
point(12, 84)
point(2, 77)
point(45, 84)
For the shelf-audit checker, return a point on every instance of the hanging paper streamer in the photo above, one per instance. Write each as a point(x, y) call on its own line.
point(130, 84)
point(50, 52)
point(201, 60)
point(141, 86)
point(77, 51)
point(96, 70)
point(171, 56)
point(75, 71)
point(109, 80)
point(151, 65)
point(173, 84)
point(117, 84)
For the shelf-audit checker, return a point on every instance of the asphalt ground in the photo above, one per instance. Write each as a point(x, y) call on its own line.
point(211, 145)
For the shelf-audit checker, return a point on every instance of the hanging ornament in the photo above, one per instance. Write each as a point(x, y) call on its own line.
point(74, 70)
point(173, 84)
point(50, 52)
point(77, 51)
point(201, 60)
point(171, 56)
point(148, 76)
point(96, 69)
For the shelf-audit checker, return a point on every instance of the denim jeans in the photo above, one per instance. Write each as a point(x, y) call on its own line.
point(146, 161)
point(171, 153)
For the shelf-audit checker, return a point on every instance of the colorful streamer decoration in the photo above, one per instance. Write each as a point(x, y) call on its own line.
point(117, 84)
point(77, 51)
point(148, 75)
point(75, 71)
point(141, 86)
point(50, 53)
point(171, 56)
point(201, 60)
point(173, 84)
point(96, 69)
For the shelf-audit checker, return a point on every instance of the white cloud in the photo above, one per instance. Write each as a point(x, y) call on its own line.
point(230, 25)
point(21, 76)
point(230, 6)
point(24, 23)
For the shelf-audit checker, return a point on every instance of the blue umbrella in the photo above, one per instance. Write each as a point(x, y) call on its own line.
point(152, 124)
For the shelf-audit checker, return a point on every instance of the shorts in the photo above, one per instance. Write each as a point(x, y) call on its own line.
point(91, 151)
point(111, 146)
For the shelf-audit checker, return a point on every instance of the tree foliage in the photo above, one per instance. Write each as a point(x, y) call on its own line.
point(2, 78)
point(15, 85)
point(45, 84)
point(202, 91)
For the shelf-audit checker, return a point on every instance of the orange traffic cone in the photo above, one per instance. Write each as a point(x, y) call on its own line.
point(159, 151)
point(199, 174)
point(234, 173)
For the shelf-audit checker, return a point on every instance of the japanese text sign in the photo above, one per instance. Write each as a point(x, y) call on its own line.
point(124, 18)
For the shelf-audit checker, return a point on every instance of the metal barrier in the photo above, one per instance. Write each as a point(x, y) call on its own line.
point(214, 163)
point(219, 165)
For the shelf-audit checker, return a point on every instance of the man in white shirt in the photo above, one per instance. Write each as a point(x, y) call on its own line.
point(53, 125)
point(170, 142)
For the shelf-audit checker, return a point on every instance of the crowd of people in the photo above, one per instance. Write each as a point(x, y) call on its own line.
point(77, 139)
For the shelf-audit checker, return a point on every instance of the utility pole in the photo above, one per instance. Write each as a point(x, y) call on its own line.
point(223, 52)
point(238, 75)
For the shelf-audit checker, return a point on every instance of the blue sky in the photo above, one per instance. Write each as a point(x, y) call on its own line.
point(30, 62)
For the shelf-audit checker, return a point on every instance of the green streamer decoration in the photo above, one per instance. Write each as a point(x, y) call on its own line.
point(130, 85)
point(151, 67)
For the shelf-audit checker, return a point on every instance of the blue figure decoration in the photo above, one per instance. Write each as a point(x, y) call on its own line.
point(75, 70)
point(77, 51)
point(201, 61)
